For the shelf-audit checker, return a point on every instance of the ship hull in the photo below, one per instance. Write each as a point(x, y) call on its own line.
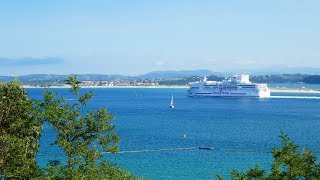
point(261, 94)
point(237, 86)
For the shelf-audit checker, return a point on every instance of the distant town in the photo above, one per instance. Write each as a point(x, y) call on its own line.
point(119, 83)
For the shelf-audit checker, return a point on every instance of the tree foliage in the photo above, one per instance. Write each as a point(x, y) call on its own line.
point(83, 137)
point(313, 79)
point(20, 128)
point(288, 163)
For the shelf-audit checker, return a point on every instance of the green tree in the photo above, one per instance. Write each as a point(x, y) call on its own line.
point(252, 173)
point(288, 164)
point(291, 164)
point(82, 137)
point(20, 128)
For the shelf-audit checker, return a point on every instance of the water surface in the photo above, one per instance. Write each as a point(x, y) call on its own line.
point(243, 130)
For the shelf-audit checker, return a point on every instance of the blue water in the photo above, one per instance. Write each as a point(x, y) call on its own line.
point(144, 121)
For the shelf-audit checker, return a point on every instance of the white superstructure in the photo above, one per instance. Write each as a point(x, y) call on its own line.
point(238, 85)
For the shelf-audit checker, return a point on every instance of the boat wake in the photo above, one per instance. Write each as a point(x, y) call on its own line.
point(295, 97)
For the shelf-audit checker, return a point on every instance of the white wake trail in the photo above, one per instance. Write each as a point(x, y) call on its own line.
point(295, 97)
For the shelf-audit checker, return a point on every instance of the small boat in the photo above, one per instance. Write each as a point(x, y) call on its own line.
point(206, 148)
point(171, 103)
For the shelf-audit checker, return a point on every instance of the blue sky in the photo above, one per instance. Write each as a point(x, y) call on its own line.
point(135, 37)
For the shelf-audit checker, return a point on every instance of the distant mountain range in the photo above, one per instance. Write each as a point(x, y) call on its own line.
point(178, 74)
point(102, 77)
point(280, 70)
point(53, 77)
point(274, 70)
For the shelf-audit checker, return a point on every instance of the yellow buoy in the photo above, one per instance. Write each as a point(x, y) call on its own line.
point(185, 135)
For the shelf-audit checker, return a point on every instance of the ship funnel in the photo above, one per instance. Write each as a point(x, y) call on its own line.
point(205, 79)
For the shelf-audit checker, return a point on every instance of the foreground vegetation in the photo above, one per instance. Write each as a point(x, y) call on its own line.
point(82, 137)
point(288, 164)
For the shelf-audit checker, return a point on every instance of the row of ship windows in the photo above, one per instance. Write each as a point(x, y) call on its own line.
point(253, 87)
point(230, 85)
point(227, 88)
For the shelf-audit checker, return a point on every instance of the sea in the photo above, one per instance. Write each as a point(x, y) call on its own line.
point(201, 137)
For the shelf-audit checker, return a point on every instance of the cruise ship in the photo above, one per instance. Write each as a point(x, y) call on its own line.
point(236, 86)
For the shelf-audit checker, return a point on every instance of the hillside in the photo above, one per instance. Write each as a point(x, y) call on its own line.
point(177, 74)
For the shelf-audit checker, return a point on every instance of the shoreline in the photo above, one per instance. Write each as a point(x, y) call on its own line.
point(283, 90)
point(109, 87)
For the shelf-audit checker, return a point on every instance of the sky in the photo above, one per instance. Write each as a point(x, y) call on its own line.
point(135, 37)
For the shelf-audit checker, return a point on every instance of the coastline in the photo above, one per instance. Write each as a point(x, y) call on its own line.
point(283, 90)
point(108, 87)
